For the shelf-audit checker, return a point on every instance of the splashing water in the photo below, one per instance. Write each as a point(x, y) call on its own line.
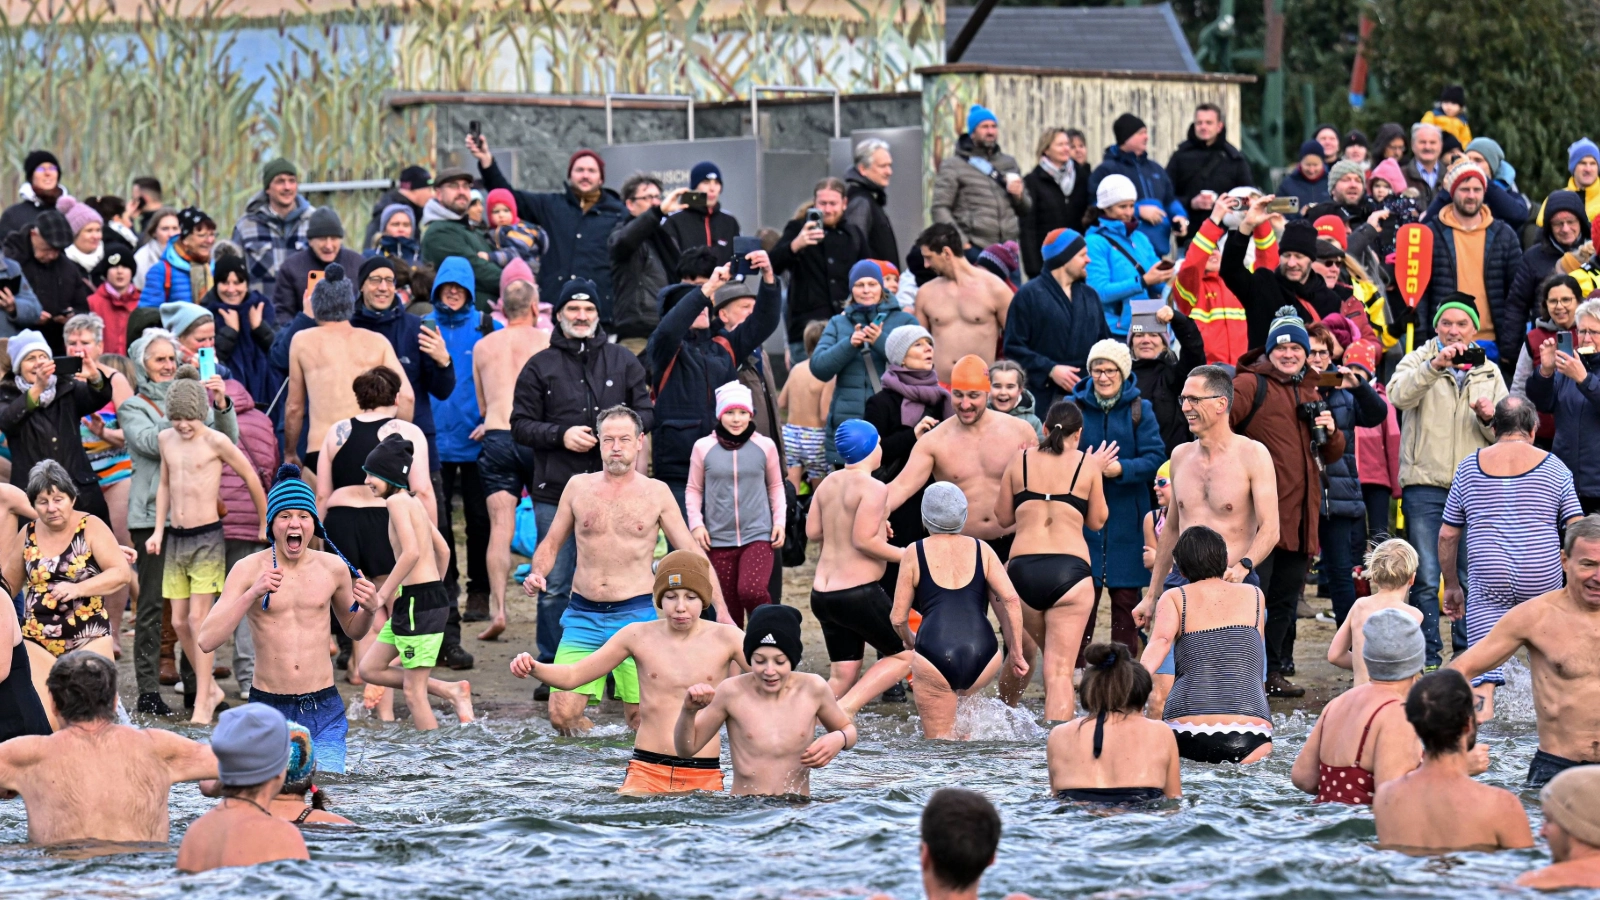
point(988, 719)
point(1513, 701)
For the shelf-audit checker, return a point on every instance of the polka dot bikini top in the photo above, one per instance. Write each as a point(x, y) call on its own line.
point(1349, 784)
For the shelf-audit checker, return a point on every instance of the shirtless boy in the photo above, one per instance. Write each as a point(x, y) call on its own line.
point(287, 590)
point(192, 457)
point(413, 595)
point(1221, 480)
point(771, 712)
point(672, 654)
point(850, 522)
point(324, 361)
point(806, 401)
point(1561, 630)
point(615, 515)
point(94, 779)
point(252, 749)
point(1391, 567)
point(505, 466)
point(964, 308)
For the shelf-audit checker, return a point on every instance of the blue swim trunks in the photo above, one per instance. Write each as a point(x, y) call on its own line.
point(322, 714)
point(1169, 666)
point(587, 625)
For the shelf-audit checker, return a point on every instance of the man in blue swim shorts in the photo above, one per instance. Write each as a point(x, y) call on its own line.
point(615, 515)
point(286, 591)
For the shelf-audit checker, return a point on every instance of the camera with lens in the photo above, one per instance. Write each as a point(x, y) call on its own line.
point(1308, 413)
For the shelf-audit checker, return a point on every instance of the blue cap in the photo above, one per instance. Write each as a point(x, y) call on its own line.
point(866, 268)
point(977, 115)
point(1288, 328)
point(1580, 148)
point(1310, 148)
point(1060, 246)
point(702, 171)
point(855, 440)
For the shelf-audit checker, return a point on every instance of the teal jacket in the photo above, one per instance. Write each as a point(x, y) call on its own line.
point(835, 357)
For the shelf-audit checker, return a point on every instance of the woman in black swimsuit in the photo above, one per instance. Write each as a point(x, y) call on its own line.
point(956, 652)
point(1051, 496)
point(20, 710)
point(1114, 754)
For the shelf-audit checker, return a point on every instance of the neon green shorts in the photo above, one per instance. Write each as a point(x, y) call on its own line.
point(416, 629)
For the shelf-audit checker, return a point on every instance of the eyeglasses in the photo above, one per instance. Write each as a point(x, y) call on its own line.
point(1191, 400)
point(1105, 373)
point(1588, 332)
point(1320, 353)
point(652, 198)
point(380, 281)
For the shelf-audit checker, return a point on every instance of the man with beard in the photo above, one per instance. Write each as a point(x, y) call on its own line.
point(1475, 253)
point(979, 190)
point(554, 411)
point(613, 516)
point(1347, 185)
point(1264, 291)
point(446, 232)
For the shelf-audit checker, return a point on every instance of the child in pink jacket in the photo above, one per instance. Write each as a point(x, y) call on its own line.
point(735, 501)
point(1377, 451)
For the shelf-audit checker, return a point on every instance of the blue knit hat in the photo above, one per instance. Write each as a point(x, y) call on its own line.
point(1288, 328)
point(289, 491)
point(977, 115)
point(855, 440)
point(866, 269)
point(702, 171)
point(1580, 148)
point(1060, 247)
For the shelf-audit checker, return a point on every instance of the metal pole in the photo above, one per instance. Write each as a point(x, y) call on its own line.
point(687, 99)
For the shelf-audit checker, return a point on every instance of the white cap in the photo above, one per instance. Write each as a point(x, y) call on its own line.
point(1115, 189)
point(734, 395)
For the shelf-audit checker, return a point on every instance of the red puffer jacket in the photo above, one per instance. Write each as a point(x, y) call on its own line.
point(260, 444)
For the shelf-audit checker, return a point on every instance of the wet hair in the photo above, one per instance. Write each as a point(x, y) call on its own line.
point(697, 262)
point(1555, 281)
point(48, 474)
point(941, 236)
point(619, 412)
point(83, 687)
point(86, 322)
point(1391, 565)
point(638, 180)
point(1201, 553)
point(961, 830)
point(1217, 381)
point(120, 363)
point(1062, 421)
point(1113, 681)
point(1440, 710)
point(378, 386)
point(813, 334)
point(518, 299)
point(1585, 529)
point(1010, 365)
point(1514, 415)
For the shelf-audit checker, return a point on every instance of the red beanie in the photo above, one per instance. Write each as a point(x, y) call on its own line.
point(501, 197)
point(592, 155)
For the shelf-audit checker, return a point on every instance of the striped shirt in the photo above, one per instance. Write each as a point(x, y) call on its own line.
point(1220, 671)
point(1513, 527)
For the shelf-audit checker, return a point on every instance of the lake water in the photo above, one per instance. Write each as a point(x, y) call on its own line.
point(508, 810)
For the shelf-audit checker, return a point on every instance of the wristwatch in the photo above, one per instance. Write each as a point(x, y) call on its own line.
point(1247, 565)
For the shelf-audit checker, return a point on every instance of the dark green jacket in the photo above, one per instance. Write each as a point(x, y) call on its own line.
point(444, 236)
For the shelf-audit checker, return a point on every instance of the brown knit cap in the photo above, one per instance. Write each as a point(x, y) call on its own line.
point(683, 569)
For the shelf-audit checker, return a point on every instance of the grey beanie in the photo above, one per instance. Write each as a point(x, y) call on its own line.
point(944, 508)
point(899, 341)
point(251, 744)
point(324, 223)
point(1393, 646)
point(333, 300)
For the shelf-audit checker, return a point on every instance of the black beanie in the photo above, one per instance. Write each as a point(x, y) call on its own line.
point(771, 625)
point(1453, 93)
point(229, 262)
point(391, 461)
point(1299, 236)
point(576, 289)
point(373, 264)
point(1126, 126)
point(36, 159)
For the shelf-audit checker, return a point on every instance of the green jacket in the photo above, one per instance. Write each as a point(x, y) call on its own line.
point(143, 417)
point(444, 236)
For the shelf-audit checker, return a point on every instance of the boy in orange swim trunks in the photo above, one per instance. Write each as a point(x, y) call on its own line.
point(675, 651)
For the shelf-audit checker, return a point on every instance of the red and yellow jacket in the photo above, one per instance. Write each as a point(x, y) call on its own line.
point(1203, 297)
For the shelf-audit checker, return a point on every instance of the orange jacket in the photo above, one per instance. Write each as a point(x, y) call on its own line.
point(1203, 297)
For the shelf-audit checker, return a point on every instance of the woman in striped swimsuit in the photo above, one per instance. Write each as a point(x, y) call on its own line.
point(1218, 705)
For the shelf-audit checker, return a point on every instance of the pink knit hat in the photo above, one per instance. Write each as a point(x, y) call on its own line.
point(78, 213)
point(1389, 171)
point(516, 270)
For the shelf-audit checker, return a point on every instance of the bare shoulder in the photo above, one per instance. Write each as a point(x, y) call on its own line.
point(1181, 454)
point(97, 529)
point(26, 750)
point(1252, 451)
point(1021, 429)
point(166, 743)
point(812, 685)
point(330, 564)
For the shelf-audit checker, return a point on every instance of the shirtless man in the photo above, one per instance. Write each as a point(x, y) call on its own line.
point(964, 308)
point(1561, 630)
point(1571, 803)
point(1221, 480)
point(505, 466)
point(324, 362)
point(413, 594)
point(615, 515)
point(771, 712)
point(287, 590)
point(672, 654)
point(192, 457)
point(252, 750)
point(95, 780)
point(806, 401)
point(849, 520)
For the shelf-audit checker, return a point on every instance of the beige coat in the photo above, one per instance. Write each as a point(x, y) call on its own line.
point(1438, 426)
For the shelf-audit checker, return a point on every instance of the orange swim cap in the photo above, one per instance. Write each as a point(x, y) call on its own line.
point(970, 373)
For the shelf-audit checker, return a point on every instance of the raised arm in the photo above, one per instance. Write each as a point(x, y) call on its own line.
point(1507, 635)
point(841, 729)
point(571, 676)
point(246, 584)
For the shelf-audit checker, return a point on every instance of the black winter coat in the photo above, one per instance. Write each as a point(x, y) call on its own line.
point(51, 432)
point(1197, 166)
point(1539, 261)
point(1502, 254)
point(691, 228)
point(865, 209)
point(897, 439)
point(1051, 209)
point(819, 275)
point(1360, 407)
point(686, 406)
point(1263, 291)
point(643, 255)
point(60, 285)
point(569, 384)
point(1160, 380)
point(1046, 328)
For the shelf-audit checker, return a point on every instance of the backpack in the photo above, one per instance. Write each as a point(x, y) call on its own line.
point(794, 528)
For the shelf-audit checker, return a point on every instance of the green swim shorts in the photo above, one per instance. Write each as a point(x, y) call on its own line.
point(416, 629)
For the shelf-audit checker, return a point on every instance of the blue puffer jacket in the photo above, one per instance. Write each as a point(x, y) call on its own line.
point(1113, 277)
point(428, 381)
point(836, 357)
point(456, 417)
point(1155, 188)
point(1310, 192)
point(1576, 407)
point(168, 280)
point(1116, 552)
point(1360, 407)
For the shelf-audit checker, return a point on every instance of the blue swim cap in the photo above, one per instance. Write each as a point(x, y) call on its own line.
point(855, 440)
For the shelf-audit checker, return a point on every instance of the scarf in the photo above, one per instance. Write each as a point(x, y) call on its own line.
point(731, 441)
point(587, 200)
point(1066, 176)
point(86, 261)
point(1106, 403)
point(46, 396)
point(919, 392)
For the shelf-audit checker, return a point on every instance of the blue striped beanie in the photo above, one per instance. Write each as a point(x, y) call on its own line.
point(290, 492)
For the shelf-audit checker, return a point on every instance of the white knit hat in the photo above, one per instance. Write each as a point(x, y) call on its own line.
point(734, 395)
point(1113, 352)
point(1115, 189)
